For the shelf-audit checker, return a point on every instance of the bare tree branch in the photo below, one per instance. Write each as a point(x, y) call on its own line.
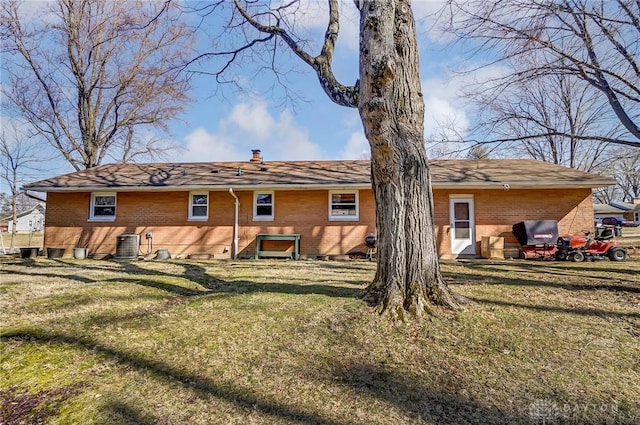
point(321, 64)
point(92, 71)
point(593, 41)
point(17, 156)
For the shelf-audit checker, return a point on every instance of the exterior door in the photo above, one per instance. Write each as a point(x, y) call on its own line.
point(462, 230)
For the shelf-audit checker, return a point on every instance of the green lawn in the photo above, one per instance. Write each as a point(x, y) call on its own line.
point(22, 240)
point(284, 342)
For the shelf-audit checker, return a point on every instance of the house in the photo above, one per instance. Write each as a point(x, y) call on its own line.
point(623, 210)
point(601, 211)
point(630, 210)
point(31, 220)
point(314, 208)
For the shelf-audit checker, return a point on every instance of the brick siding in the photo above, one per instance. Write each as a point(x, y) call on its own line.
point(305, 212)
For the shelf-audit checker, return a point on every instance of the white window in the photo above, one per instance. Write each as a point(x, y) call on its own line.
point(263, 206)
point(343, 205)
point(198, 205)
point(103, 207)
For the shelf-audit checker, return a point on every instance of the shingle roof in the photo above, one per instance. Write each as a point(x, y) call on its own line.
point(38, 207)
point(309, 174)
point(626, 206)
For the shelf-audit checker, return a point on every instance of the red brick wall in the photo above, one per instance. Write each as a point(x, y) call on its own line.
point(165, 214)
point(496, 211)
point(305, 212)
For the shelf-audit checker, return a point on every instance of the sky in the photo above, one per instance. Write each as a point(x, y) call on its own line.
point(314, 127)
point(308, 127)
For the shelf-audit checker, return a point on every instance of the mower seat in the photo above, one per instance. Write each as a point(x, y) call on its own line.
point(606, 234)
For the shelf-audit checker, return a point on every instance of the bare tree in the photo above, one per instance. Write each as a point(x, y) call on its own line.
point(388, 96)
point(625, 169)
point(478, 152)
point(17, 156)
point(546, 118)
point(89, 75)
point(593, 41)
point(627, 173)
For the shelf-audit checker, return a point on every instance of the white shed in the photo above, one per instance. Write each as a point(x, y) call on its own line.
point(31, 220)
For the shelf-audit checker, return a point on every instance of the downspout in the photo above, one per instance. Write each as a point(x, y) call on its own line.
point(234, 248)
point(29, 195)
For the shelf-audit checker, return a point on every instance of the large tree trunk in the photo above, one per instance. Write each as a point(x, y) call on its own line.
point(391, 107)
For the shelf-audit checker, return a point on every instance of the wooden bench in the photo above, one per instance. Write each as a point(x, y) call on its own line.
point(278, 254)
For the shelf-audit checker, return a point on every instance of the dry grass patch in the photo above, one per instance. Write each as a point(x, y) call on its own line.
point(23, 239)
point(284, 342)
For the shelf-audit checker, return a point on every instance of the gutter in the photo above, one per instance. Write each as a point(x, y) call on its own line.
point(213, 187)
point(561, 184)
point(234, 252)
point(28, 195)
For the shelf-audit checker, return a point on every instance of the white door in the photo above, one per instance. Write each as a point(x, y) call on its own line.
point(462, 226)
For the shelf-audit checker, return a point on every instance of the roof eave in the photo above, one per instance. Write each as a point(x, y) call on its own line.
point(214, 187)
point(289, 186)
point(524, 185)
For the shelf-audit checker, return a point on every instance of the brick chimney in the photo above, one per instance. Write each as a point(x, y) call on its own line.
point(256, 157)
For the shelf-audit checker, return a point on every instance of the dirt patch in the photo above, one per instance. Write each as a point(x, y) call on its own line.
point(19, 406)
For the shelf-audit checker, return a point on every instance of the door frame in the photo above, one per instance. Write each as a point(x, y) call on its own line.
point(471, 248)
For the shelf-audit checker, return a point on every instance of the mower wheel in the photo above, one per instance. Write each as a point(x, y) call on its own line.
point(561, 255)
point(576, 256)
point(617, 254)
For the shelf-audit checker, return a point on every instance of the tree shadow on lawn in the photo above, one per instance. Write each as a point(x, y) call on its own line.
point(125, 414)
point(557, 309)
point(246, 287)
point(198, 274)
point(441, 404)
point(70, 276)
point(495, 279)
point(438, 404)
point(211, 284)
point(562, 268)
point(202, 386)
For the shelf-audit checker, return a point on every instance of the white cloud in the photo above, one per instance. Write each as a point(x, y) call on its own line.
point(426, 13)
point(250, 125)
point(251, 118)
point(443, 120)
point(349, 27)
point(357, 147)
point(203, 146)
point(447, 107)
point(313, 16)
point(445, 115)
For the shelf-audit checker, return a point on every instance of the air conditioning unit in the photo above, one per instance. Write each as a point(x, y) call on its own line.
point(127, 246)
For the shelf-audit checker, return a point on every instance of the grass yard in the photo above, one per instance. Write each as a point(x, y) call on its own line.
point(23, 239)
point(284, 342)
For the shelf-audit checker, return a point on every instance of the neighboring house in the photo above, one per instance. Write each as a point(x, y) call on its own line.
point(601, 211)
point(630, 210)
point(190, 208)
point(31, 220)
point(623, 210)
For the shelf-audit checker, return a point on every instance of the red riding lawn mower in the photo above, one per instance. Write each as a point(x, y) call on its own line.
point(578, 248)
point(539, 240)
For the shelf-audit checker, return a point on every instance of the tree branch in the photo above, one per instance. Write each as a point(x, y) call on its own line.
point(321, 64)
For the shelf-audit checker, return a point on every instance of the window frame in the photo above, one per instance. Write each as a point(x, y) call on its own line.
point(355, 217)
point(193, 217)
point(92, 206)
point(257, 217)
